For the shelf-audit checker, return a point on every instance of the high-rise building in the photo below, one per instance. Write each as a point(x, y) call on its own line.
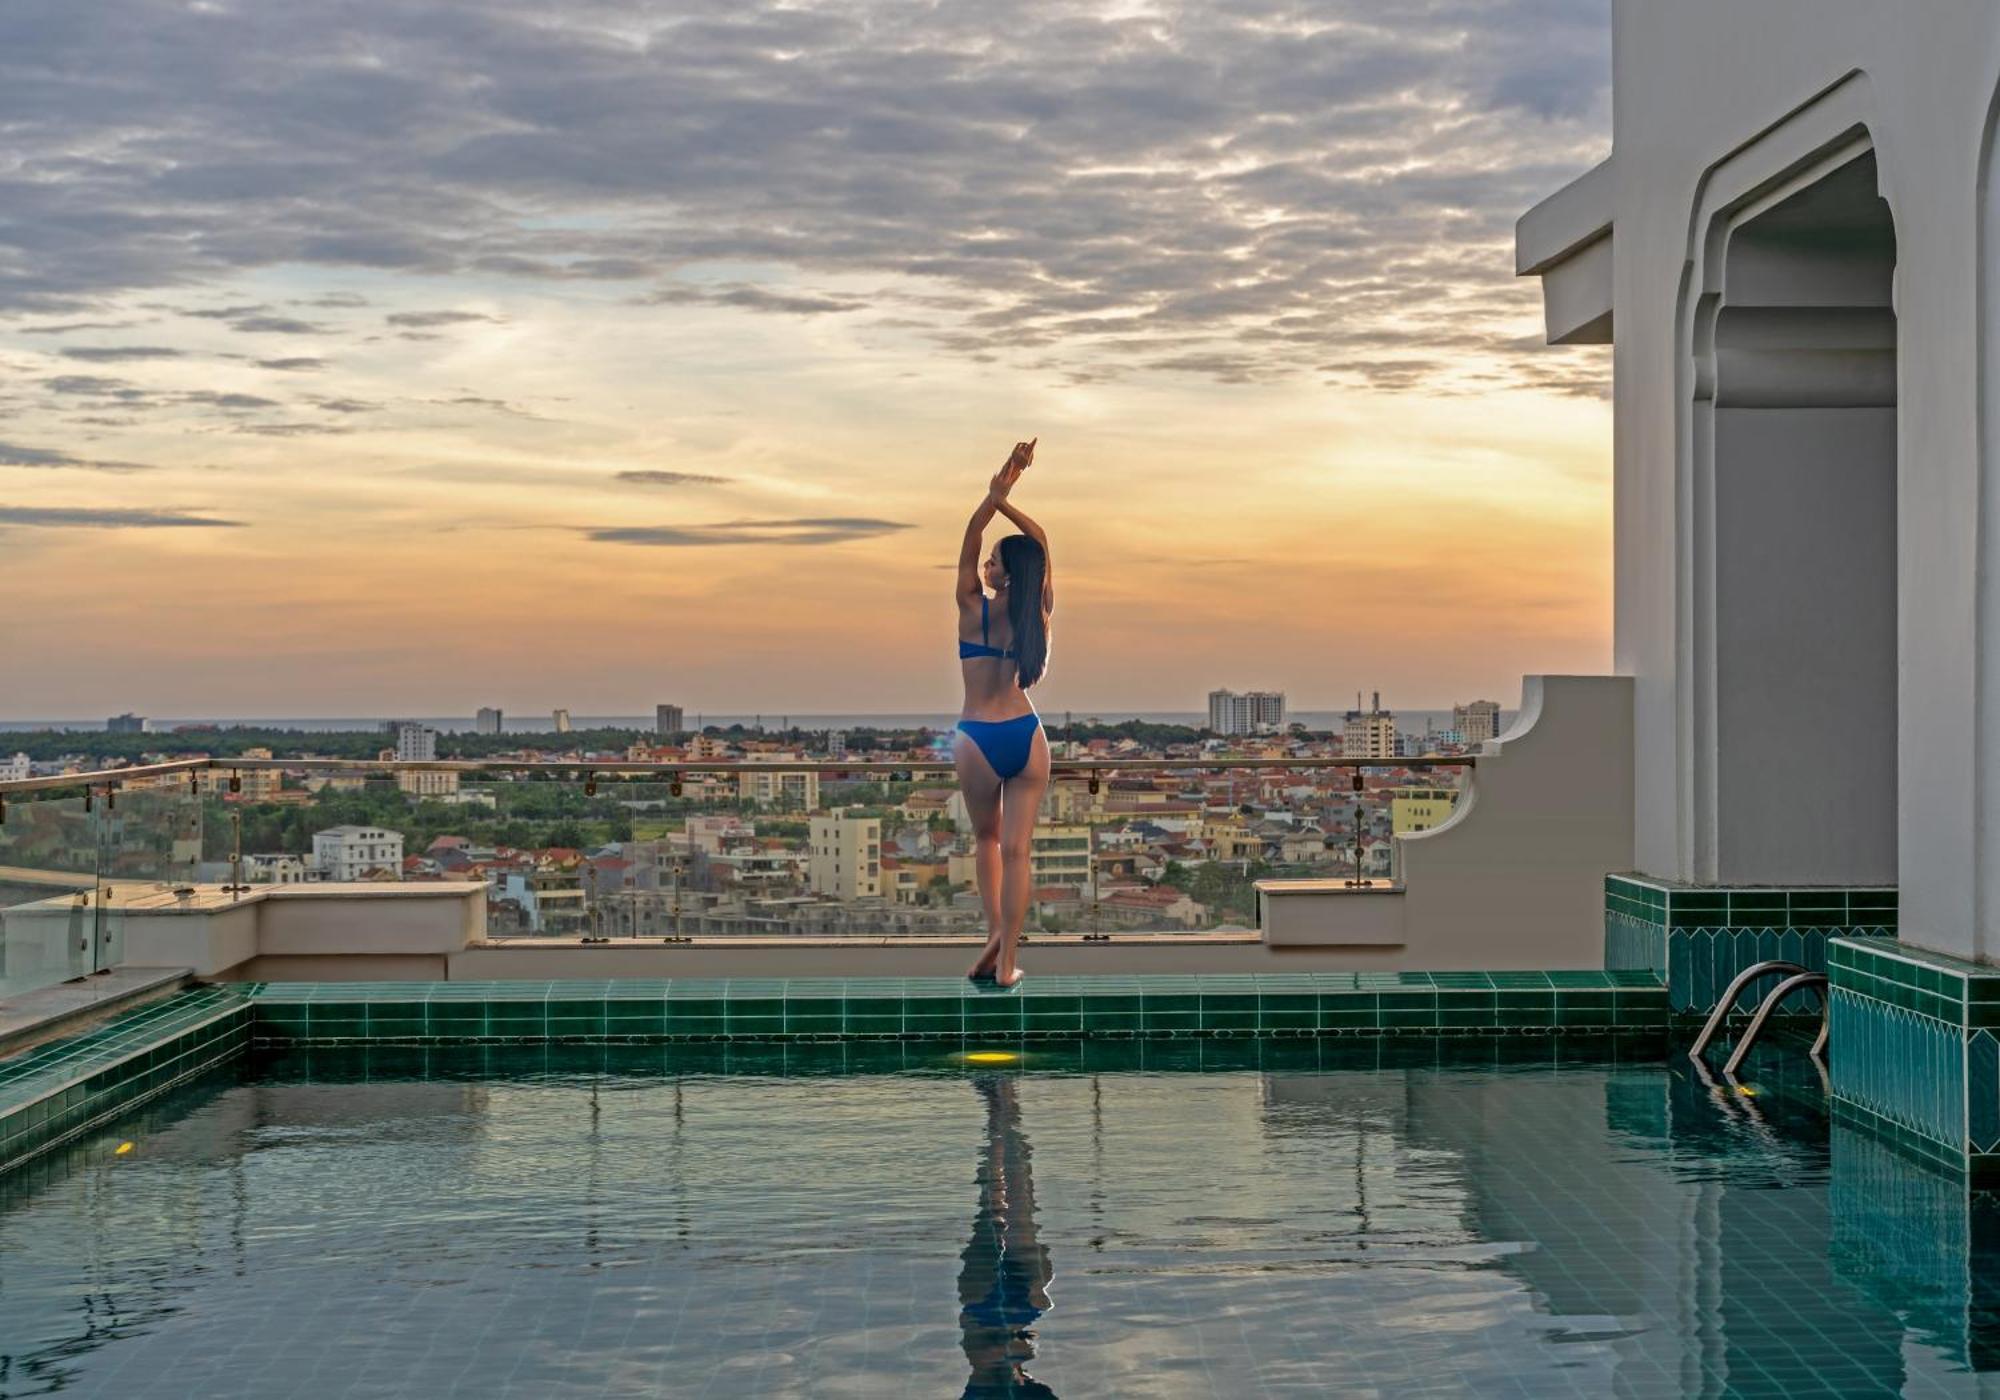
point(1254, 712)
point(668, 721)
point(126, 724)
point(1477, 721)
point(489, 720)
point(1369, 733)
point(846, 855)
point(562, 721)
point(415, 742)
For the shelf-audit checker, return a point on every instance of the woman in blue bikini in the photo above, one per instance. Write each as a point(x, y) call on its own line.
point(1000, 750)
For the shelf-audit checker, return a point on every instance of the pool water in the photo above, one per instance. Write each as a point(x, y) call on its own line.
point(1354, 1219)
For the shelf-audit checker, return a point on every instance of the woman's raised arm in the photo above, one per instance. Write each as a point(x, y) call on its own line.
point(968, 586)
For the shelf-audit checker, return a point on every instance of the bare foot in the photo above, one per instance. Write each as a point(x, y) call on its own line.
point(1008, 980)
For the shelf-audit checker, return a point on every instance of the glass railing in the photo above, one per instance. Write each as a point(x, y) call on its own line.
point(571, 851)
point(75, 858)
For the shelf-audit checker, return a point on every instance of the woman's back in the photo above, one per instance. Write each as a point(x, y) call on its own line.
point(989, 665)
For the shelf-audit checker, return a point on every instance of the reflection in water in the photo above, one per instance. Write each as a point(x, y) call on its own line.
point(1004, 1273)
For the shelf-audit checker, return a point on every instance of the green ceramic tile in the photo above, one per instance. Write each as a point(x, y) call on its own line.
point(753, 1025)
point(636, 1018)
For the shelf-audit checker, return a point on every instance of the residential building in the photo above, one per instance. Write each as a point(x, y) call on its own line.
point(15, 769)
point(357, 852)
point(561, 720)
point(1477, 721)
point(250, 784)
point(276, 869)
point(711, 833)
point(705, 749)
point(1420, 808)
point(1059, 855)
point(1369, 733)
point(668, 722)
point(1253, 712)
point(428, 783)
point(846, 856)
point(125, 724)
point(550, 897)
point(489, 721)
point(415, 742)
point(796, 792)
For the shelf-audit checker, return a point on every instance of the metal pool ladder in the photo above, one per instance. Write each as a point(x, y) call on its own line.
point(1795, 978)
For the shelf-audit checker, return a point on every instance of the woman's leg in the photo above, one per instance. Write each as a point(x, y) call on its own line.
point(1020, 805)
point(981, 786)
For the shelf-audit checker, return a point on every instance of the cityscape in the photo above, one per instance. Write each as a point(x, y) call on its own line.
point(771, 838)
point(576, 823)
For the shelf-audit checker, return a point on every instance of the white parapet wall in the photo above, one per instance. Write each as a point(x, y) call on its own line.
point(1514, 879)
point(333, 930)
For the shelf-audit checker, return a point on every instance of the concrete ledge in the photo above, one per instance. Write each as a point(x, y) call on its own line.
point(35, 1017)
point(1322, 913)
point(217, 933)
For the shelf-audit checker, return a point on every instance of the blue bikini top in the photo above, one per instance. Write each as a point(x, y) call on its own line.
point(967, 649)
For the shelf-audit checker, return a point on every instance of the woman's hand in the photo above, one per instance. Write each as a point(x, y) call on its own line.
point(1018, 461)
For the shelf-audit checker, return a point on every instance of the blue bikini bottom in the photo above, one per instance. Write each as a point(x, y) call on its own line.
point(1005, 742)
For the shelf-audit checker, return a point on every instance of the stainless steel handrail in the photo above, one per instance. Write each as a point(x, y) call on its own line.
point(1720, 1015)
point(1766, 1009)
point(613, 768)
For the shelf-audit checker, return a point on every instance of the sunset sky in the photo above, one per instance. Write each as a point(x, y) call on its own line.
point(365, 357)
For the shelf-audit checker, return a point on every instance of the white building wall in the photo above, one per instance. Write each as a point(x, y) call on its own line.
point(1711, 98)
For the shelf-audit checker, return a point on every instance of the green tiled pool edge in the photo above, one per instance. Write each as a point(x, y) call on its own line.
point(67, 1087)
point(1914, 1053)
point(1696, 938)
point(1051, 1008)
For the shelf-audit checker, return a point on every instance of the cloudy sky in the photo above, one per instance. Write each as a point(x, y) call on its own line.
point(363, 357)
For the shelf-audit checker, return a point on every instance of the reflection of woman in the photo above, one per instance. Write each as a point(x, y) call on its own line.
point(1004, 1273)
point(1000, 751)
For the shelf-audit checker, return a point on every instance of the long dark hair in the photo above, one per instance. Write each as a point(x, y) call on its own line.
point(1027, 565)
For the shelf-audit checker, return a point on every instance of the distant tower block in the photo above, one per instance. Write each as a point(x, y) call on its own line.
point(562, 722)
point(668, 721)
point(488, 721)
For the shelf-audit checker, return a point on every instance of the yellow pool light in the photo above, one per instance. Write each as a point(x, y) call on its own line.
point(991, 1057)
point(1746, 1091)
point(123, 1148)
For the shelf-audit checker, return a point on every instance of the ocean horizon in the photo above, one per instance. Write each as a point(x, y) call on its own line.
point(1408, 721)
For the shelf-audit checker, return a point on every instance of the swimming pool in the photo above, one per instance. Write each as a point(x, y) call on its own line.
point(1392, 1217)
